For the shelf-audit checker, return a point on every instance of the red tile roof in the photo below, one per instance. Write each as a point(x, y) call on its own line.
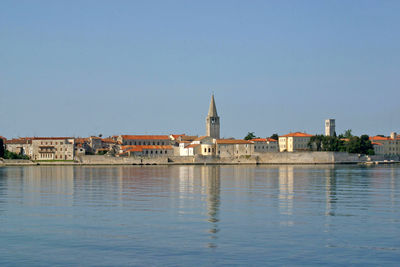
point(380, 138)
point(189, 137)
point(200, 138)
point(22, 140)
point(145, 137)
point(175, 136)
point(52, 138)
point(233, 141)
point(81, 140)
point(297, 134)
point(108, 140)
point(263, 140)
point(192, 145)
point(259, 140)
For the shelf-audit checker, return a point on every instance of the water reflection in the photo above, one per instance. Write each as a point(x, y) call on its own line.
point(209, 178)
point(286, 190)
point(212, 178)
point(330, 191)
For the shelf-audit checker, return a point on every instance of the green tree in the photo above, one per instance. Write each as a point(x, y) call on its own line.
point(1, 148)
point(249, 136)
point(347, 134)
point(12, 155)
point(275, 136)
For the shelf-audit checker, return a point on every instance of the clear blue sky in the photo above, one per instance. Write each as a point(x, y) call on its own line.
point(78, 68)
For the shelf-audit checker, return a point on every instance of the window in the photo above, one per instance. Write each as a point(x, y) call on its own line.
point(162, 143)
point(61, 143)
point(135, 143)
point(160, 151)
point(156, 151)
point(205, 150)
point(154, 143)
point(140, 143)
point(147, 152)
point(158, 143)
point(209, 150)
point(166, 151)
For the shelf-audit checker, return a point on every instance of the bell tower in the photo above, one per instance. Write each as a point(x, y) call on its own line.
point(212, 121)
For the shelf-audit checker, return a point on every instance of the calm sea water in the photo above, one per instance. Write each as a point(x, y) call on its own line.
point(200, 215)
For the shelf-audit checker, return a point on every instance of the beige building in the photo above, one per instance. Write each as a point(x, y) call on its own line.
point(234, 148)
point(53, 148)
point(144, 140)
point(146, 150)
point(263, 145)
point(294, 142)
point(388, 146)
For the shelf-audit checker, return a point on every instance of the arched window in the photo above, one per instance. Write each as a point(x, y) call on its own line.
point(209, 150)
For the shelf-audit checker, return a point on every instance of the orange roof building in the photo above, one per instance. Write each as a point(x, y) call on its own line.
point(292, 142)
point(386, 145)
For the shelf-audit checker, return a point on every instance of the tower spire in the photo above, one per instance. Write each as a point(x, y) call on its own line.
point(212, 111)
point(212, 120)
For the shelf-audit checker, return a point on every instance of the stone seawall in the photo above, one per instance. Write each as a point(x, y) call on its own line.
point(259, 158)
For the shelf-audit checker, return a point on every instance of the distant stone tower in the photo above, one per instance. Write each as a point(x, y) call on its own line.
point(330, 127)
point(212, 121)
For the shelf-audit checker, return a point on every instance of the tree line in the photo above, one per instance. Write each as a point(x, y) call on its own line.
point(343, 143)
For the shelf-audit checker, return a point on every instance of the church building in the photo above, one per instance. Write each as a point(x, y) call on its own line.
point(212, 121)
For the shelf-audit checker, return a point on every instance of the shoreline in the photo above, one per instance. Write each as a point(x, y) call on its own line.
point(32, 163)
point(279, 158)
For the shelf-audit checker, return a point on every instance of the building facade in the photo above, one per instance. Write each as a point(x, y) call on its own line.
point(294, 142)
point(22, 146)
point(53, 148)
point(386, 145)
point(234, 148)
point(264, 145)
point(144, 140)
